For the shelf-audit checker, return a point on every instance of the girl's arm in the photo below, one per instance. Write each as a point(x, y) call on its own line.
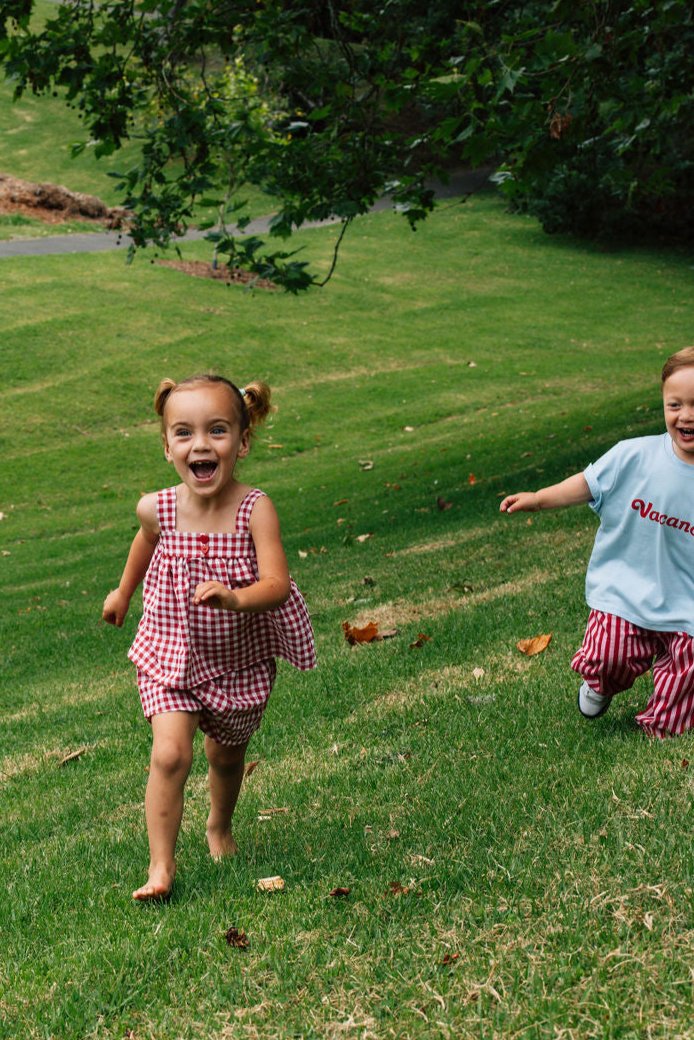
point(570, 492)
point(141, 551)
point(272, 588)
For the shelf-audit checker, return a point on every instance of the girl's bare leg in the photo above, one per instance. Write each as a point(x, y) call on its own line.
point(172, 755)
point(226, 775)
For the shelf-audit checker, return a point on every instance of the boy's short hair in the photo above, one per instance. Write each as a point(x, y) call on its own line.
point(682, 359)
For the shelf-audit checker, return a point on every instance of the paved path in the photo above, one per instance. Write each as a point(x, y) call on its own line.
point(461, 183)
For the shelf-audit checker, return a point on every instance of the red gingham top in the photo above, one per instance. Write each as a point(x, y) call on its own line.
point(183, 645)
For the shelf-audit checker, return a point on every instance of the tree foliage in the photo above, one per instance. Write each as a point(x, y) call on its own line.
point(587, 108)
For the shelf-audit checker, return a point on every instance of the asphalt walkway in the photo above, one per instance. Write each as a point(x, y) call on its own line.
point(461, 182)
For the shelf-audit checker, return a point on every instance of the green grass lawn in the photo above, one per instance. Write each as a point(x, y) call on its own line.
point(514, 871)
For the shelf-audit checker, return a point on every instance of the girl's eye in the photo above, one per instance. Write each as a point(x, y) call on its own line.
point(218, 431)
point(182, 433)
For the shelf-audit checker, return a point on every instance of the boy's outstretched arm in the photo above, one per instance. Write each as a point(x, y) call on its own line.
point(570, 492)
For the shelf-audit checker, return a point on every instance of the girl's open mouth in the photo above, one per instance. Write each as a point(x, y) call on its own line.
point(686, 433)
point(203, 470)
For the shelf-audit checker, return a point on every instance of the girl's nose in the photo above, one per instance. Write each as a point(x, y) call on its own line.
point(200, 441)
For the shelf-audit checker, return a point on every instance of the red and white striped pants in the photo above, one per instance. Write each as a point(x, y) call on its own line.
point(615, 652)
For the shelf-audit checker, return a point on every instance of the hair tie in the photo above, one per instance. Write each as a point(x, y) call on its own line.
point(242, 391)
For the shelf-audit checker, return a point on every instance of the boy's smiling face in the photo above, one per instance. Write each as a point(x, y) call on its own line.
point(678, 404)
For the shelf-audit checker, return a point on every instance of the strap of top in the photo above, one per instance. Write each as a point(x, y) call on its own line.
point(166, 509)
point(243, 515)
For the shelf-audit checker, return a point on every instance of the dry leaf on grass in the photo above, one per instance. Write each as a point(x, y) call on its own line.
point(450, 958)
point(395, 888)
point(271, 884)
point(393, 835)
point(366, 464)
point(367, 633)
point(420, 641)
point(237, 938)
point(363, 537)
point(534, 645)
point(443, 503)
point(472, 479)
point(250, 767)
point(685, 763)
point(478, 673)
point(336, 892)
point(341, 502)
point(273, 812)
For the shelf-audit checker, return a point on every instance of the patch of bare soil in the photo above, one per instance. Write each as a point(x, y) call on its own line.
point(55, 204)
point(222, 273)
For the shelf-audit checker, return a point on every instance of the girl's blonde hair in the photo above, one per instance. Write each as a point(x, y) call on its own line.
point(682, 359)
point(252, 401)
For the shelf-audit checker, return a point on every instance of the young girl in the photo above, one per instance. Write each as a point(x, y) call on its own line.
point(640, 580)
point(218, 607)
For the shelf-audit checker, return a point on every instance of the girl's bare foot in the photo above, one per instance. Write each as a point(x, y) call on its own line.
point(221, 843)
point(158, 885)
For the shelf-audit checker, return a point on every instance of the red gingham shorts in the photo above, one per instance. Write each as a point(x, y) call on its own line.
point(231, 706)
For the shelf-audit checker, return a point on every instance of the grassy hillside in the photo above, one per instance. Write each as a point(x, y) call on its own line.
point(513, 869)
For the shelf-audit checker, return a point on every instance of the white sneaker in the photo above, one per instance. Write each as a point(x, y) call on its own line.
point(590, 703)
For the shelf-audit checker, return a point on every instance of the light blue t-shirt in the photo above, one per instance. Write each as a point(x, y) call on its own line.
point(642, 564)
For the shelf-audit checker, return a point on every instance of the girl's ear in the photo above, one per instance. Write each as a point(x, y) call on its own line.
point(245, 445)
point(167, 453)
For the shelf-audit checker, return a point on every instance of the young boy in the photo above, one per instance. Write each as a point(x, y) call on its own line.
point(640, 580)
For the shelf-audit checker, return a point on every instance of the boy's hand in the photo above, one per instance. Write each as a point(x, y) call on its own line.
point(115, 608)
point(214, 594)
point(523, 502)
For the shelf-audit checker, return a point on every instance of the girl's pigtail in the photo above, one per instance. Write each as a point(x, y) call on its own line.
point(162, 395)
point(256, 397)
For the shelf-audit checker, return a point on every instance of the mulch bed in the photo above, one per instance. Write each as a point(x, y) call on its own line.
point(55, 204)
point(221, 273)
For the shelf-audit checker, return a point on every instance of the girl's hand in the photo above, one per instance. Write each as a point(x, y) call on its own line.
point(115, 608)
point(524, 501)
point(214, 594)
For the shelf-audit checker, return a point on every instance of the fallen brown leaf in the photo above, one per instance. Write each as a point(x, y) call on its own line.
point(237, 938)
point(395, 888)
point(363, 537)
point(443, 504)
point(393, 835)
point(535, 645)
point(365, 634)
point(273, 812)
point(420, 641)
point(341, 502)
point(450, 958)
point(250, 767)
point(685, 763)
point(366, 464)
point(340, 892)
point(271, 884)
point(472, 479)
